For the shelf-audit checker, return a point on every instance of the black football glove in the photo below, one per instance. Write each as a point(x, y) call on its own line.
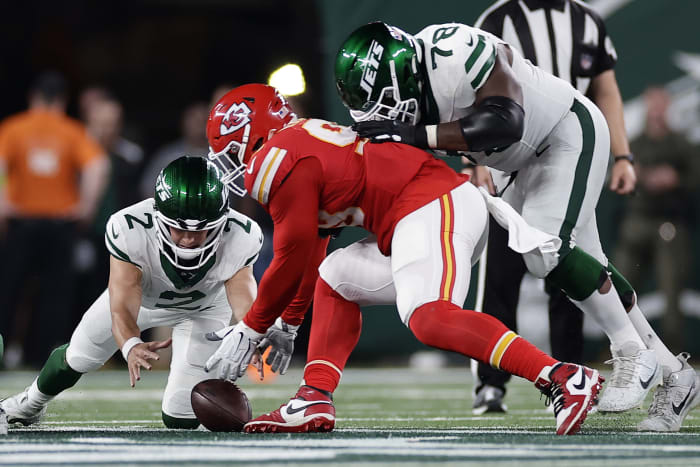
point(392, 131)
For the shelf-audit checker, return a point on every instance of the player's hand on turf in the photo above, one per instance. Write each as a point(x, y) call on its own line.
point(280, 336)
point(238, 345)
point(140, 356)
point(392, 131)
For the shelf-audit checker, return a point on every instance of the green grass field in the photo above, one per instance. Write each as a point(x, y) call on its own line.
point(385, 416)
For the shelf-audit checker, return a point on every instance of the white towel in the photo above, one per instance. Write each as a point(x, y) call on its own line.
point(539, 249)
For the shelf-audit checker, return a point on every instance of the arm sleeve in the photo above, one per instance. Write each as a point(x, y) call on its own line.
point(607, 55)
point(294, 211)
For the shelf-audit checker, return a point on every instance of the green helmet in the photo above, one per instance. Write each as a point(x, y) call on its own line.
point(190, 196)
point(377, 73)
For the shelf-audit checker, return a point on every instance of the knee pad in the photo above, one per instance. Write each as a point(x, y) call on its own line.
point(578, 274)
point(82, 363)
point(359, 273)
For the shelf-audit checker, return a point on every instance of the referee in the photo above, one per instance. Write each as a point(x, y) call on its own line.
point(569, 40)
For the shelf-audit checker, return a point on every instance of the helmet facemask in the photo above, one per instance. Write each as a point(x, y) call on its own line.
point(190, 196)
point(378, 74)
point(230, 163)
point(390, 106)
point(188, 258)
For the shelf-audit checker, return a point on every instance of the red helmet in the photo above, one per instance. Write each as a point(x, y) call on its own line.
point(240, 123)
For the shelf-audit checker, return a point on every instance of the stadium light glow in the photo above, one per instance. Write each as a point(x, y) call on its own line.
point(288, 79)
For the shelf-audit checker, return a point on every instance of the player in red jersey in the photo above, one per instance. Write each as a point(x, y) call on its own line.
point(428, 227)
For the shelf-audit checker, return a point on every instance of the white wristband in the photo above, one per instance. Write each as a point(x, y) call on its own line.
point(129, 344)
point(431, 134)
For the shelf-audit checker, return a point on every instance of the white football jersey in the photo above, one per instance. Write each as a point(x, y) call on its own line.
point(131, 236)
point(459, 60)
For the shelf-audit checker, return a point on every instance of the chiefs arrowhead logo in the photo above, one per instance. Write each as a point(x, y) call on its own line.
point(236, 117)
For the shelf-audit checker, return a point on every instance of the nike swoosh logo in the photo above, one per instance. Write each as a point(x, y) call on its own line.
point(471, 41)
point(582, 384)
point(251, 166)
point(539, 153)
point(677, 408)
point(291, 410)
point(114, 233)
point(645, 384)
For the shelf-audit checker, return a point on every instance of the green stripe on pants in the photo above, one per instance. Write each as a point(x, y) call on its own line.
point(583, 167)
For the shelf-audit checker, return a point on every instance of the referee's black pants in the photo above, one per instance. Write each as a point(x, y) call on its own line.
point(505, 270)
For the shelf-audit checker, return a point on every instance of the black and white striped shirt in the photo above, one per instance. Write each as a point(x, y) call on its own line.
point(564, 37)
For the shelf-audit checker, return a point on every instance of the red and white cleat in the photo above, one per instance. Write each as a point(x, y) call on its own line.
point(572, 389)
point(309, 411)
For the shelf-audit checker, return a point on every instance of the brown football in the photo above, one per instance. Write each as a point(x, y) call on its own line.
point(220, 405)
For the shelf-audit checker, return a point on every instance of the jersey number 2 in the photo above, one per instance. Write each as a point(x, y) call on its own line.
point(185, 299)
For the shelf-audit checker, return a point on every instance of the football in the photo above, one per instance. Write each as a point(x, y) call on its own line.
point(221, 405)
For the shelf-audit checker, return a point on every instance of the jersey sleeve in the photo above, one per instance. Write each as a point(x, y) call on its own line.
point(253, 245)
point(294, 212)
point(117, 243)
point(459, 60)
point(606, 55)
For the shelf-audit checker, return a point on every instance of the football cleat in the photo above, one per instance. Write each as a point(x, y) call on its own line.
point(20, 410)
point(673, 399)
point(572, 390)
point(309, 411)
point(635, 372)
point(489, 399)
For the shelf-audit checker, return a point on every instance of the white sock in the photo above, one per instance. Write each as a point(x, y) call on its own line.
point(652, 341)
point(609, 313)
point(36, 398)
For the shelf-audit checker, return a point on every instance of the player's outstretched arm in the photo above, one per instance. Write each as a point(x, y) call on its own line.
point(241, 290)
point(124, 303)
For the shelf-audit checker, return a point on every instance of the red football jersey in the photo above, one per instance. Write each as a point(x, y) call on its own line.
point(327, 177)
point(364, 184)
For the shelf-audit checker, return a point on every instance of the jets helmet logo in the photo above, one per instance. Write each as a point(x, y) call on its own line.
point(369, 75)
point(236, 117)
point(162, 188)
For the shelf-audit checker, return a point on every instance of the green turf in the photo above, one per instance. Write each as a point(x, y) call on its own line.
point(385, 416)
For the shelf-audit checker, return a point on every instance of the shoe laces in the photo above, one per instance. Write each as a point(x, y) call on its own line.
point(554, 395)
point(661, 402)
point(623, 371)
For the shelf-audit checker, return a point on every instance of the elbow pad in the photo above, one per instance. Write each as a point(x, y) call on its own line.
point(495, 123)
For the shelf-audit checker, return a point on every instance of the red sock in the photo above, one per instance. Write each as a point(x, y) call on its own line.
point(335, 330)
point(444, 325)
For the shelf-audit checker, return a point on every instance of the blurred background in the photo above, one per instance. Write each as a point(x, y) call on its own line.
point(142, 75)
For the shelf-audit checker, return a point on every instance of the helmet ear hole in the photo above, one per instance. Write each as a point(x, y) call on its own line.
point(258, 144)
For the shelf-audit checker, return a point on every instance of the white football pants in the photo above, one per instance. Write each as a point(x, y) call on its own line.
point(431, 253)
point(92, 344)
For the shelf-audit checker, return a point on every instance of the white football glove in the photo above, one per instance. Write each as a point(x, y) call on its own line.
point(281, 337)
point(238, 345)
